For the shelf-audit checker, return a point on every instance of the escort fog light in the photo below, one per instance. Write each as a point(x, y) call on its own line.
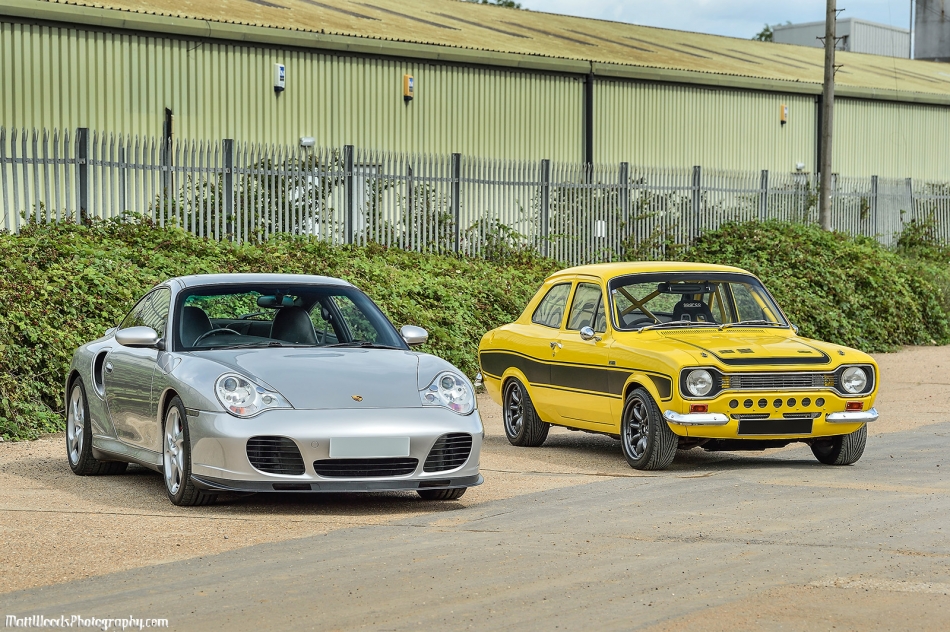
point(699, 382)
point(450, 391)
point(243, 398)
point(854, 379)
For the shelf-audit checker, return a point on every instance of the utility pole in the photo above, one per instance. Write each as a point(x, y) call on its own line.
point(827, 117)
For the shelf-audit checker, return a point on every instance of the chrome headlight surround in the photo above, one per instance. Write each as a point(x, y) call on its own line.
point(449, 390)
point(712, 377)
point(848, 380)
point(243, 398)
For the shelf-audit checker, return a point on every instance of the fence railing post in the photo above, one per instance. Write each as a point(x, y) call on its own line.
point(764, 195)
point(696, 200)
point(350, 200)
point(873, 203)
point(457, 197)
point(123, 178)
point(909, 183)
point(227, 150)
point(82, 173)
point(546, 207)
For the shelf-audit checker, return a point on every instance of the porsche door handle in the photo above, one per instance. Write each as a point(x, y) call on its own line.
point(108, 367)
point(556, 345)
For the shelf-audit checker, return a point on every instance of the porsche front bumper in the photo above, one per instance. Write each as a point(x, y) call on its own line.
point(220, 458)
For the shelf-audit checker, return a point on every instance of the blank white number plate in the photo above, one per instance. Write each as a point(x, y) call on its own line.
point(368, 447)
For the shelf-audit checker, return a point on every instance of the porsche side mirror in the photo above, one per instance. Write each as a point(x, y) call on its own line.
point(141, 337)
point(414, 335)
point(587, 333)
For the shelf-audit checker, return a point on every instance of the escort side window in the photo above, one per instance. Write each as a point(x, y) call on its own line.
point(587, 309)
point(550, 310)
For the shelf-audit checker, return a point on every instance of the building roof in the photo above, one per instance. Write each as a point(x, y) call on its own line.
point(451, 30)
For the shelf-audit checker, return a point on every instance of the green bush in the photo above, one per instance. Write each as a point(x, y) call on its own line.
point(838, 288)
point(66, 284)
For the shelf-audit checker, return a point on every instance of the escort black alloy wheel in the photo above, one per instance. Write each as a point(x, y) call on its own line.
point(522, 426)
point(647, 441)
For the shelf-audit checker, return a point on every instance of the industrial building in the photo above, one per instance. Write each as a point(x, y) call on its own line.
point(853, 34)
point(446, 76)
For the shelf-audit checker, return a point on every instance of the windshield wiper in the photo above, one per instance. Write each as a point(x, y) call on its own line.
point(365, 344)
point(677, 323)
point(254, 345)
point(750, 322)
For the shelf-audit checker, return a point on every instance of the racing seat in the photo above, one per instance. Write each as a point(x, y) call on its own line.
point(692, 310)
point(293, 324)
point(194, 323)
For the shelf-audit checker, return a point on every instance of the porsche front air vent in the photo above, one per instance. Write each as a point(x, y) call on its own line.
point(274, 455)
point(449, 452)
point(365, 468)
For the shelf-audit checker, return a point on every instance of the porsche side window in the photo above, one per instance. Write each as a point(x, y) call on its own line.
point(550, 310)
point(151, 311)
point(587, 309)
point(356, 321)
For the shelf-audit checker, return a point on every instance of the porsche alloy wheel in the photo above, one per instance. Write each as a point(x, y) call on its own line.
point(176, 459)
point(522, 426)
point(79, 437)
point(648, 443)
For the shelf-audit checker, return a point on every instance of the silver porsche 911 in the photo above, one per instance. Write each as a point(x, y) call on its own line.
point(270, 382)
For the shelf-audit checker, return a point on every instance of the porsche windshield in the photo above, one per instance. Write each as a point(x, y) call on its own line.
point(246, 316)
point(679, 300)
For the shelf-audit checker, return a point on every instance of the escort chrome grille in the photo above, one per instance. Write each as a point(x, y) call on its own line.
point(777, 381)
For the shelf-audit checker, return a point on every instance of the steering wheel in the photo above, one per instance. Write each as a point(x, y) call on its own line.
point(641, 321)
point(213, 332)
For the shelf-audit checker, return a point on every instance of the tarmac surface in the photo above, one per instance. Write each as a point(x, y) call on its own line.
point(561, 537)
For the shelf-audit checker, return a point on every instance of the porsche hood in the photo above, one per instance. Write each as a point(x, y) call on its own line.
point(315, 378)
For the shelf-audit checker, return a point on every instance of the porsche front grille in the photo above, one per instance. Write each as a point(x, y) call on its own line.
point(449, 452)
point(777, 381)
point(365, 468)
point(275, 455)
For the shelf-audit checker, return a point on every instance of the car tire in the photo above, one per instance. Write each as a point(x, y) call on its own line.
point(522, 425)
point(841, 450)
point(79, 437)
point(176, 458)
point(441, 494)
point(645, 437)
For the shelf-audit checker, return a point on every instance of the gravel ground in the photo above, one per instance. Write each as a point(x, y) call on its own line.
point(57, 527)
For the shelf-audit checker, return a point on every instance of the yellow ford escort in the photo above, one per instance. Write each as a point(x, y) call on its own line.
point(667, 356)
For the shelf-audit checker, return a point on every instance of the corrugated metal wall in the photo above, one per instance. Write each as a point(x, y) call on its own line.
point(680, 126)
point(878, 39)
point(67, 78)
point(893, 140)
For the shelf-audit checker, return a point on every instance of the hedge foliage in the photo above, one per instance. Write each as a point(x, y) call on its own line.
point(65, 284)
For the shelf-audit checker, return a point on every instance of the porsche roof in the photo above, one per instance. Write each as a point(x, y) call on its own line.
point(434, 28)
point(196, 280)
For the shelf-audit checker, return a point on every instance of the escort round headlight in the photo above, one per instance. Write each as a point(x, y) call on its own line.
point(699, 382)
point(243, 398)
point(854, 380)
point(451, 391)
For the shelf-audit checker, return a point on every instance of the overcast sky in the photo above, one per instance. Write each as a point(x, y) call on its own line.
point(738, 18)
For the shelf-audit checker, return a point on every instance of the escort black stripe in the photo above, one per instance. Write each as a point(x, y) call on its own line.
point(590, 378)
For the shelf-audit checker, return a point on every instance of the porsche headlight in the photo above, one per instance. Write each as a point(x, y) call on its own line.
point(243, 398)
point(854, 380)
point(451, 391)
point(699, 382)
